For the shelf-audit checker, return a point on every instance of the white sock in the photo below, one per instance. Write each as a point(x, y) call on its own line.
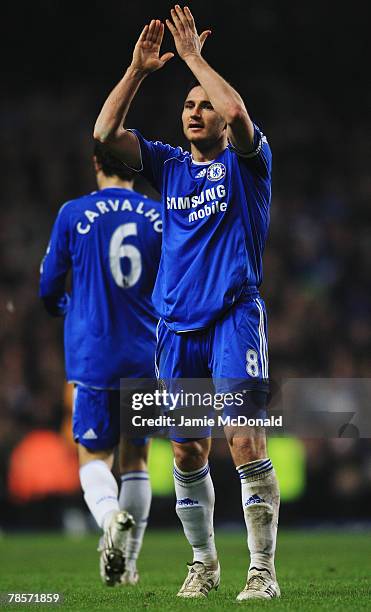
point(195, 508)
point(260, 503)
point(100, 491)
point(135, 497)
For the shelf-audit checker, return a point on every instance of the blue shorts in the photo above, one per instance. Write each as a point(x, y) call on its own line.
point(96, 421)
point(233, 351)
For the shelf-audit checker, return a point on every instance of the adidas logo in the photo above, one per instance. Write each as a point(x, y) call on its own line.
point(254, 499)
point(201, 173)
point(90, 435)
point(187, 501)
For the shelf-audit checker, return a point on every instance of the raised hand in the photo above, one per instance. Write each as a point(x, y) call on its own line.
point(146, 55)
point(183, 29)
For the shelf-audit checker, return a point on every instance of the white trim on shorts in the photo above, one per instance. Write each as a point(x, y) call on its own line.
point(74, 397)
point(263, 345)
point(157, 370)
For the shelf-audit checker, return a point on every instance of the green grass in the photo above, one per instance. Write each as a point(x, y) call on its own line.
point(317, 571)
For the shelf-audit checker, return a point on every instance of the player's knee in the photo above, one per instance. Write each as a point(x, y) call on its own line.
point(133, 455)
point(86, 455)
point(191, 455)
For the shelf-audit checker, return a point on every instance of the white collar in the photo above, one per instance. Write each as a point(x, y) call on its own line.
point(198, 163)
point(115, 187)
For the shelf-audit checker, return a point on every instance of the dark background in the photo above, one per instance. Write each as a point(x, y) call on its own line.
point(303, 71)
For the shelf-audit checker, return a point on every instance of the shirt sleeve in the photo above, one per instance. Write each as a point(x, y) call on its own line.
point(54, 268)
point(259, 160)
point(154, 154)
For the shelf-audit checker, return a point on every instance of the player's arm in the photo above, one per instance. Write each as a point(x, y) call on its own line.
point(54, 269)
point(224, 98)
point(109, 126)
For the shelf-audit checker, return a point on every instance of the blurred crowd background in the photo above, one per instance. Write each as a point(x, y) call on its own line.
point(302, 70)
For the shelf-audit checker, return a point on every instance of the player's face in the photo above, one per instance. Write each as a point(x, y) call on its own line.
point(201, 124)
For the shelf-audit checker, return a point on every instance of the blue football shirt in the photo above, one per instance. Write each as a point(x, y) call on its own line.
point(111, 242)
point(215, 224)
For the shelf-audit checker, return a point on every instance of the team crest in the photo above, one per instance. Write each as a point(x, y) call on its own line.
point(216, 171)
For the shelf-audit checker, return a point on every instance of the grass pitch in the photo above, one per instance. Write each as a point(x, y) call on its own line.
point(316, 570)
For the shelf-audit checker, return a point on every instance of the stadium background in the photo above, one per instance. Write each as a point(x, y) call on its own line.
point(301, 69)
